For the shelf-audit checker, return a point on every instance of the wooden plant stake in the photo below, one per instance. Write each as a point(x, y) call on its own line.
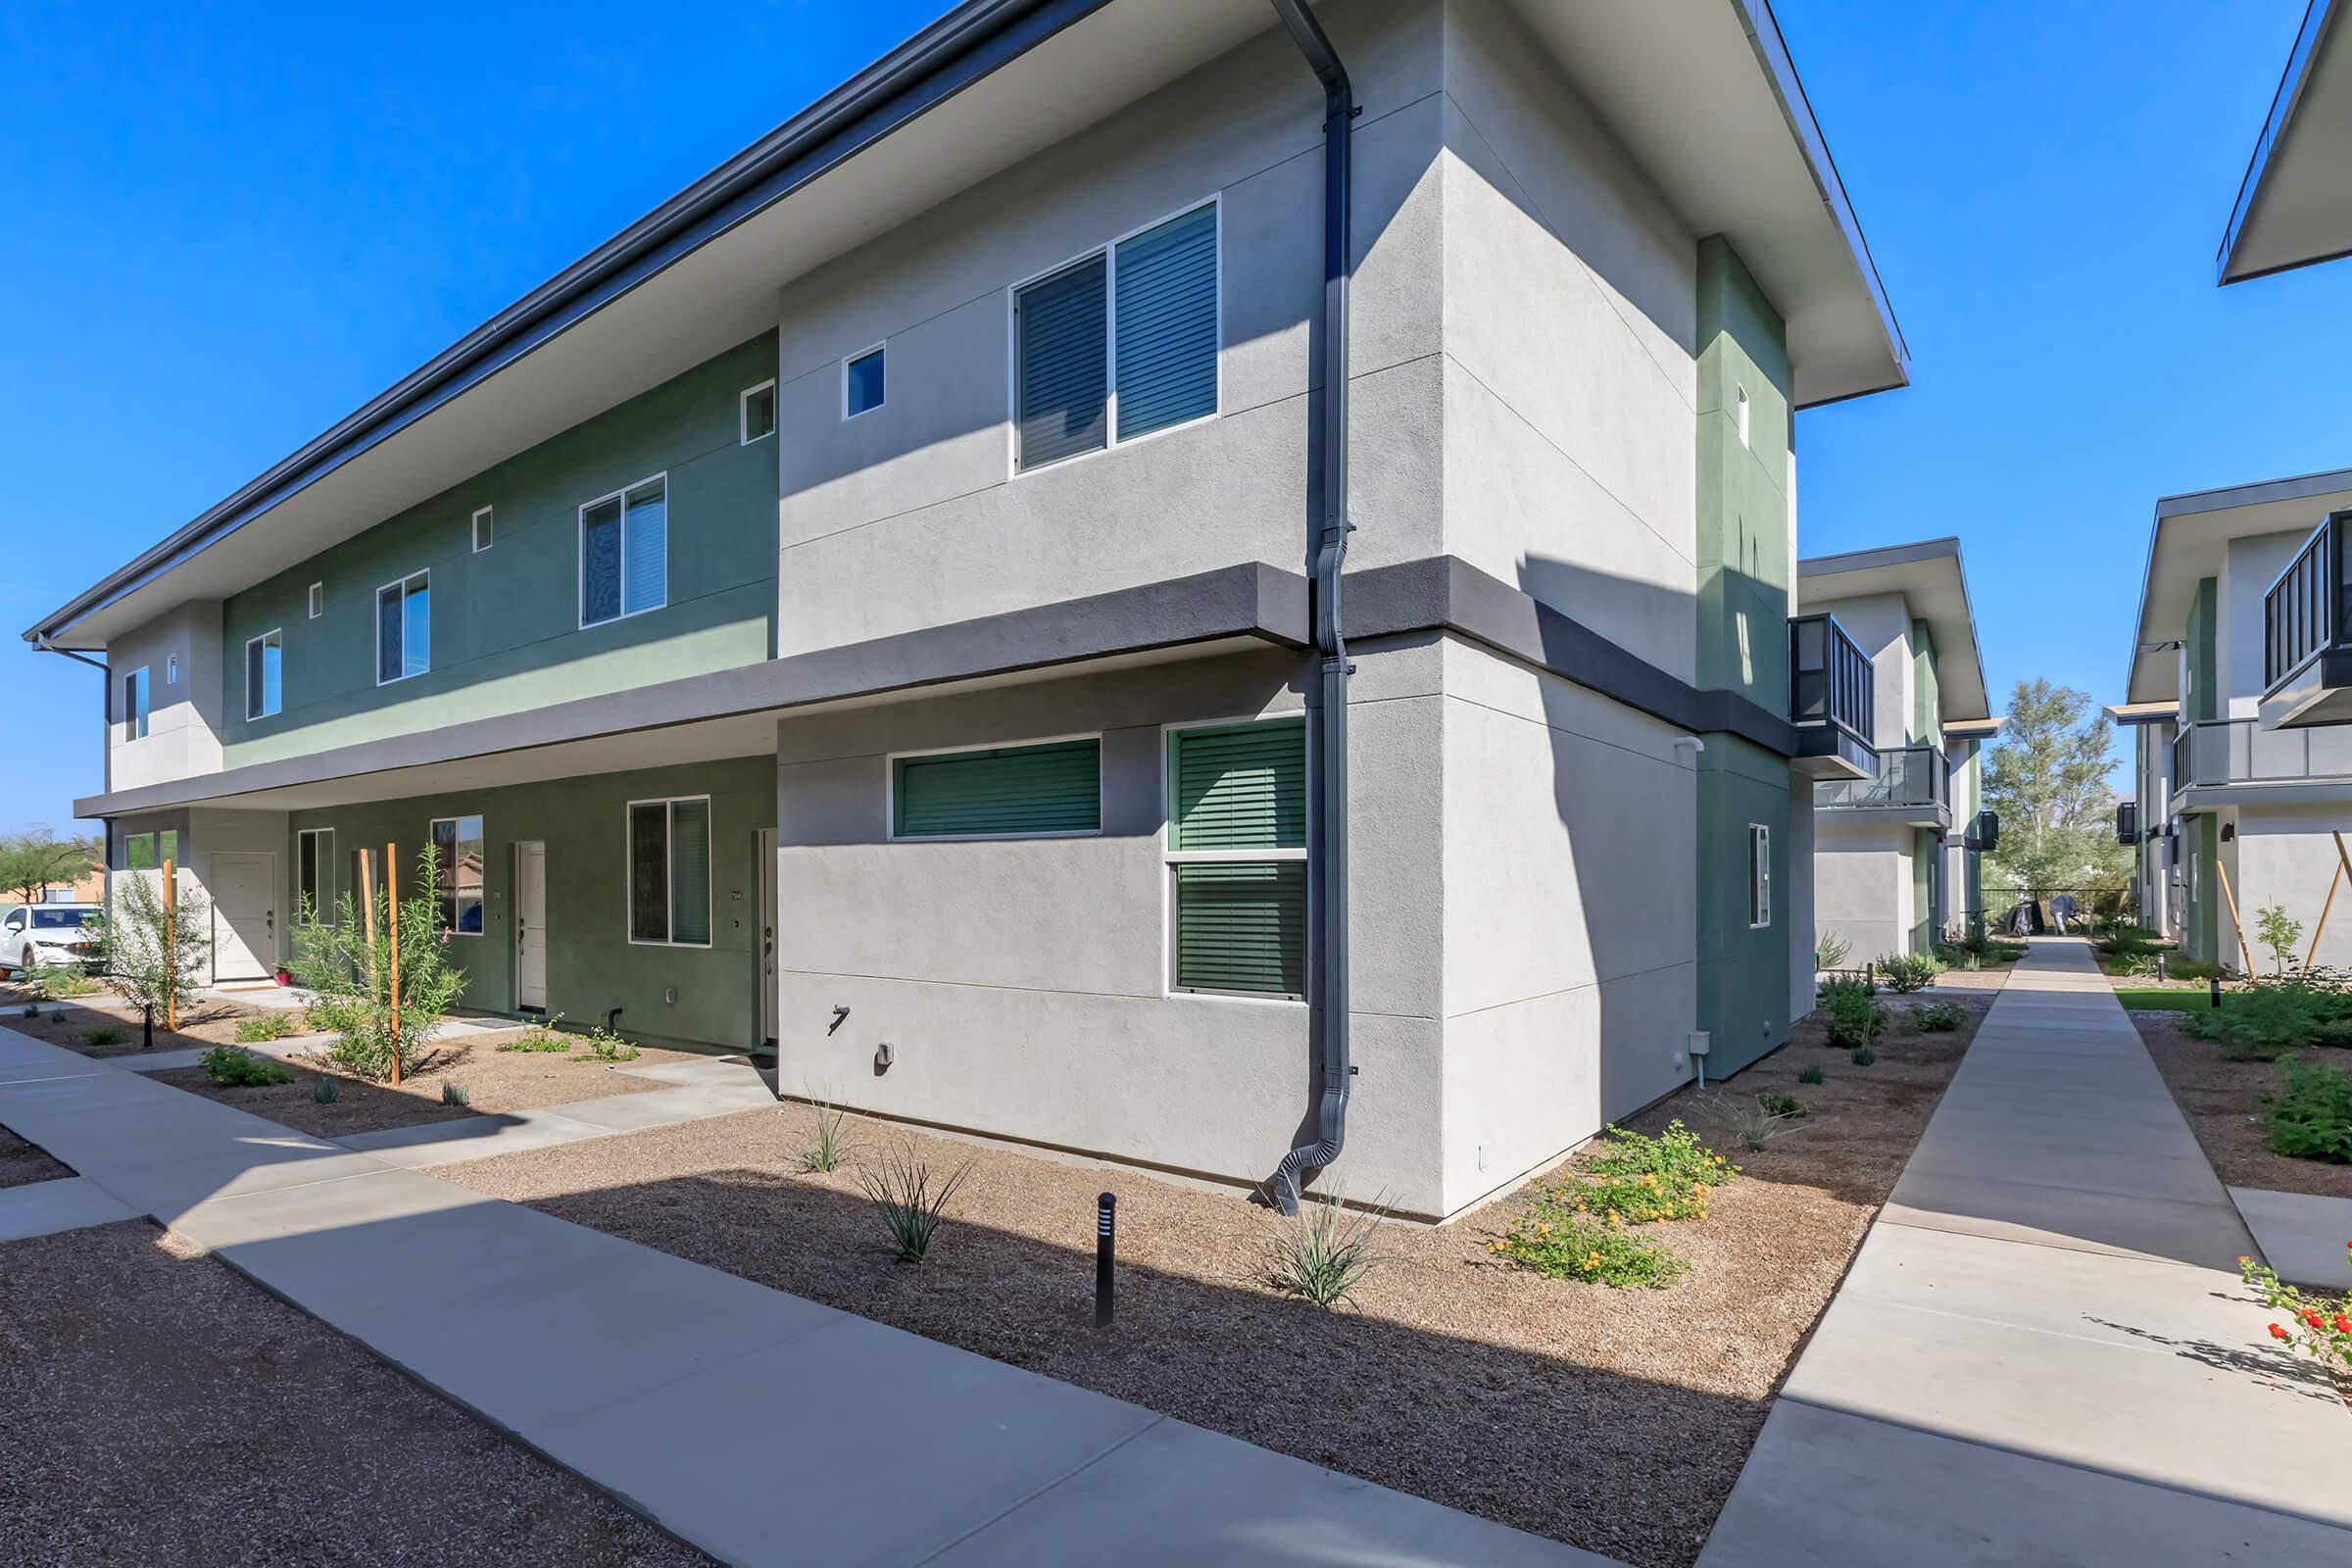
point(2237, 925)
point(368, 911)
point(392, 920)
point(2334, 880)
point(171, 946)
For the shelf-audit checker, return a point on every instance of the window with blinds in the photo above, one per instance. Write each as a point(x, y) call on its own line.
point(624, 551)
point(1004, 792)
point(1237, 859)
point(669, 871)
point(1118, 344)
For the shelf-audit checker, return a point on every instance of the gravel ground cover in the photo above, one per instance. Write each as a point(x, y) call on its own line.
point(1616, 1420)
point(70, 1023)
point(495, 1081)
point(2223, 1102)
point(21, 1162)
point(165, 1411)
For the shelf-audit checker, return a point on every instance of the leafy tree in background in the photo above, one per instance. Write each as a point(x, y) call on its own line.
point(32, 862)
point(2047, 775)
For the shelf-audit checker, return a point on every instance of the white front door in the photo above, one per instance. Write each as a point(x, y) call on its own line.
point(244, 916)
point(767, 850)
point(530, 925)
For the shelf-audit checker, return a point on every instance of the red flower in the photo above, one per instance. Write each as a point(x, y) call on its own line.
point(2312, 1318)
point(2343, 1324)
point(2278, 1332)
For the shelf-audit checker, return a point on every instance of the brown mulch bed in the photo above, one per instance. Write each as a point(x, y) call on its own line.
point(21, 1162)
point(1615, 1420)
point(70, 1023)
point(2223, 1101)
point(495, 1081)
point(165, 1411)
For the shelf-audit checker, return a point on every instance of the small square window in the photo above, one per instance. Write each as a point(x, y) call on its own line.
point(172, 671)
point(481, 530)
point(317, 600)
point(1742, 412)
point(861, 383)
point(1759, 876)
point(759, 412)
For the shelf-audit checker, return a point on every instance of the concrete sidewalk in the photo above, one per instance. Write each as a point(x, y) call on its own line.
point(762, 1428)
point(2042, 1352)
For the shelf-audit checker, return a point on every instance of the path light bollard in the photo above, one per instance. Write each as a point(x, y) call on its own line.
point(1105, 1238)
point(147, 1031)
point(2160, 966)
point(2216, 983)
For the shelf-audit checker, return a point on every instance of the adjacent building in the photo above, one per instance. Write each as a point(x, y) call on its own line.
point(964, 597)
point(1896, 846)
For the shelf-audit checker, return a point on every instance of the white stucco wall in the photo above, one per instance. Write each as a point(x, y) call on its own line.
point(183, 714)
point(2284, 854)
point(203, 835)
point(1862, 885)
point(2249, 568)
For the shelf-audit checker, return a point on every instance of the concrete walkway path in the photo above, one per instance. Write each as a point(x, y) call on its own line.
point(2042, 1352)
point(762, 1427)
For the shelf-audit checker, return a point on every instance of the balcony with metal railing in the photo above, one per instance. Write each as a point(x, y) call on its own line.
point(2307, 633)
point(1831, 693)
point(1913, 785)
point(2219, 761)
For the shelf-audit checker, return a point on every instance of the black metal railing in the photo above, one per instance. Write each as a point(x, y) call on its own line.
point(1830, 678)
point(2309, 608)
point(1908, 776)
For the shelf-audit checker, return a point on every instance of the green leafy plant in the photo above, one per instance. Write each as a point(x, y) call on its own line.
point(1757, 1122)
point(605, 1046)
point(32, 1009)
point(265, 1026)
point(154, 960)
point(1865, 1056)
point(2274, 930)
point(325, 1088)
point(1811, 1075)
point(1907, 973)
point(1856, 1017)
point(54, 982)
point(2311, 1116)
point(105, 1035)
point(826, 1144)
point(1937, 1018)
point(1632, 1178)
point(235, 1068)
point(2323, 1324)
point(1324, 1252)
point(1574, 1247)
point(543, 1037)
point(911, 1198)
point(456, 1094)
point(349, 975)
point(1779, 1105)
point(2271, 1017)
point(1829, 950)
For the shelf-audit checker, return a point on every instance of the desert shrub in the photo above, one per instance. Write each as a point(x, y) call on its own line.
point(1829, 950)
point(105, 1035)
point(235, 1068)
point(265, 1026)
point(2323, 1324)
point(1324, 1252)
point(1865, 1056)
point(910, 1200)
point(1629, 1177)
point(1811, 1075)
point(543, 1037)
point(2278, 933)
point(825, 1144)
point(54, 982)
point(349, 975)
point(1907, 973)
point(1779, 1105)
point(2272, 1018)
point(456, 1094)
point(1856, 1017)
point(1937, 1018)
point(150, 967)
point(1756, 1122)
point(1574, 1247)
point(2311, 1116)
point(327, 1088)
point(606, 1046)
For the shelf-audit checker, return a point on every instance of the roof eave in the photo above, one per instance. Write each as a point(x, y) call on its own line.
point(2318, 17)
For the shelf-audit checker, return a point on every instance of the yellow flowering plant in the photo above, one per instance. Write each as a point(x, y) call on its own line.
point(1578, 1249)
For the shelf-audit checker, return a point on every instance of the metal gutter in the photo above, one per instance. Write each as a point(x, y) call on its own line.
point(2318, 17)
point(959, 49)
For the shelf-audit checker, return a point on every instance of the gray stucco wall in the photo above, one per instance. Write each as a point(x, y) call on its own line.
point(183, 714)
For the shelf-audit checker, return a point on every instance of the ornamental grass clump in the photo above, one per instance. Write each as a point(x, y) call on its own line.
point(1811, 1075)
point(2322, 1325)
point(1325, 1251)
point(1937, 1018)
point(544, 1038)
point(826, 1144)
point(1907, 973)
point(910, 1200)
point(325, 1088)
point(105, 1035)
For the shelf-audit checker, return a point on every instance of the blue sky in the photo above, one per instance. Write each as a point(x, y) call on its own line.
point(232, 225)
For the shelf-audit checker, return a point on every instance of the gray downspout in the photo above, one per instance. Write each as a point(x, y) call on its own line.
point(1327, 756)
point(106, 733)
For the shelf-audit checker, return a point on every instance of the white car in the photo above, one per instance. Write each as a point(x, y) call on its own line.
point(37, 933)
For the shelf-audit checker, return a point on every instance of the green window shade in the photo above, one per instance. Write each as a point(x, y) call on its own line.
point(1239, 787)
point(649, 872)
point(138, 851)
point(1241, 926)
point(690, 872)
point(1009, 789)
point(1167, 325)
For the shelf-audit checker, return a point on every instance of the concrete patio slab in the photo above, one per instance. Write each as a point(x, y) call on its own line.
point(2303, 1237)
point(2048, 1214)
point(447, 1143)
point(67, 1203)
point(2180, 1176)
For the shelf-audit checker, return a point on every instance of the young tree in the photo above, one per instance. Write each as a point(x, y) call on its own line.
point(154, 963)
point(33, 861)
point(2046, 776)
point(349, 975)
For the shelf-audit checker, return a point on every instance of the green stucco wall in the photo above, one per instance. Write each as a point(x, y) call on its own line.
point(2201, 700)
point(1924, 842)
point(1742, 646)
point(592, 967)
point(2201, 926)
point(1926, 698)
point(506, 635)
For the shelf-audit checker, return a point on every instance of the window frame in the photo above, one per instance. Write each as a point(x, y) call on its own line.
point(890, 793)
point(153, 838)
point(376, 606)
point(261, 701)
point(485, 528)
point(1108, 250)
point(1759, 876)
point(1739, 401)
point(628, 872)
point(138, 716)
point(743, 412)
point(172, 671)
point(580, 546)
point(482, 898)
point(322, 844)
point(1170, 858)
point(317, 600)
point(847, 360)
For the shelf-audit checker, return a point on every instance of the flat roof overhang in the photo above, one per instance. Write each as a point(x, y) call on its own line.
point(2189, 541)
point(1701, 93)
point(1929, 577)
point(2294, 206)
point(2153, 712)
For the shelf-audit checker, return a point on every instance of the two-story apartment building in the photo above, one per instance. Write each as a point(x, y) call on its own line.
point(1896, 852)
point(1136, 579)
point(2242, 758)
